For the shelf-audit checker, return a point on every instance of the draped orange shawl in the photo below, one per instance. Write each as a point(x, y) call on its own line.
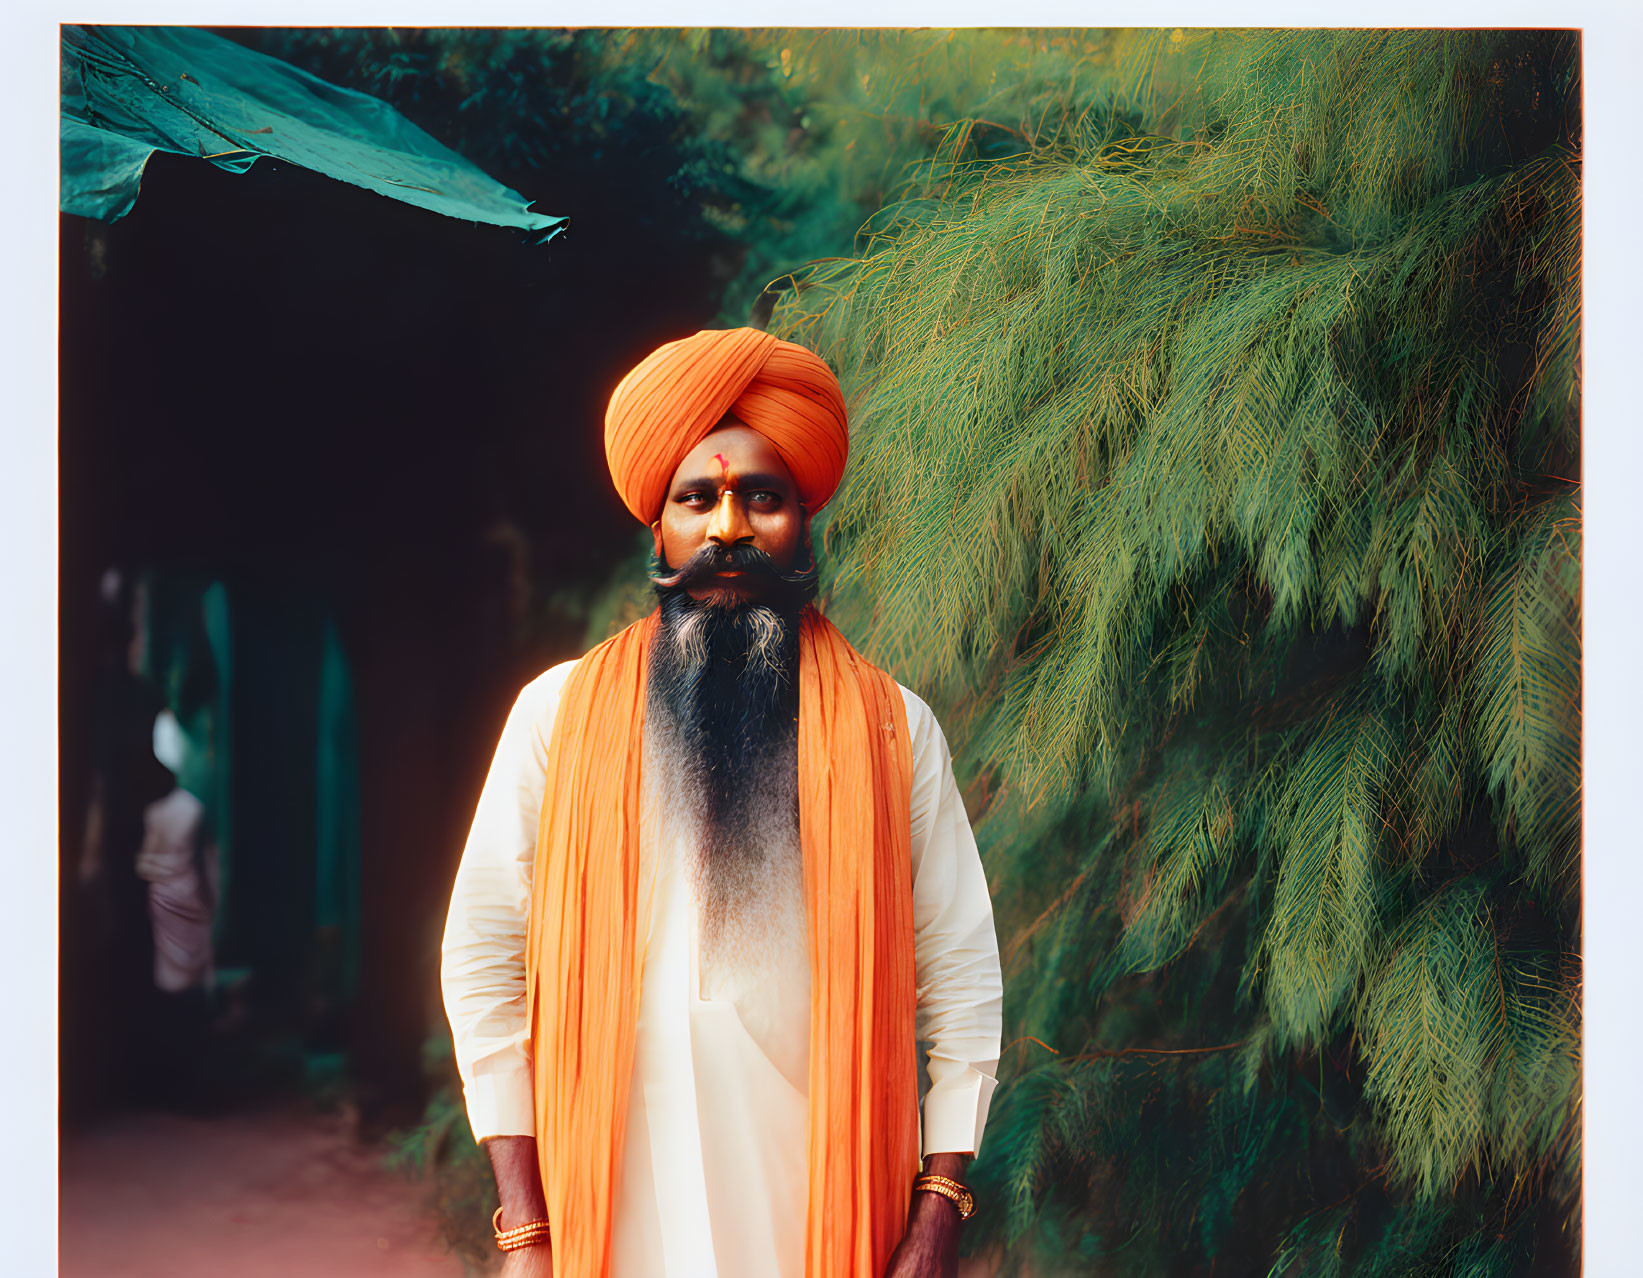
point(585, 946)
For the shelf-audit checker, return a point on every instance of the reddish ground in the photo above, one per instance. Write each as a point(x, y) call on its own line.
point(279, 1194)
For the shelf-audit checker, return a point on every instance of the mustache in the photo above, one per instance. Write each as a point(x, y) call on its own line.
point(754, 563)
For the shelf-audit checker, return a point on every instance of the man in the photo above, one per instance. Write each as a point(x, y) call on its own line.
point(719, 882)
point(178, 861)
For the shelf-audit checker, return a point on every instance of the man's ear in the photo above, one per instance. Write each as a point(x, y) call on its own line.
point(804, 537)
point(656, 537)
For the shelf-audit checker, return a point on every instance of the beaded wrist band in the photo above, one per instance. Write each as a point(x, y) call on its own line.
point(948, 1188)
point(526, 1235)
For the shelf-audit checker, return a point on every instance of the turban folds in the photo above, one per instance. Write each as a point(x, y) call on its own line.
point(680, 392)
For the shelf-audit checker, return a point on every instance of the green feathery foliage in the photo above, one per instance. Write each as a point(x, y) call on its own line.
point(1525, 683)
point(826, 123)
point(1213, 471)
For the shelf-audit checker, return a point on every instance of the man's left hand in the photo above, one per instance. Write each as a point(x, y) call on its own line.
point(929, 1249)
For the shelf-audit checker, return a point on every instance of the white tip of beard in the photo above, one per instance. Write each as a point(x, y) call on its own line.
point(765, 635)
point(690, 639)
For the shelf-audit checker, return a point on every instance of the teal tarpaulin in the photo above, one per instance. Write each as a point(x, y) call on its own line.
point(130, 91)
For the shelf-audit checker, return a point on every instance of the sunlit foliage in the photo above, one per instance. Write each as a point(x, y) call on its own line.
point(1214, 469)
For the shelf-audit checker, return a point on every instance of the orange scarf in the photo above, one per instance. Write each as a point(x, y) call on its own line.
point(585, 945)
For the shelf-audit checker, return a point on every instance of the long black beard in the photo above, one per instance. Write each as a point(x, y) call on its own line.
point(722, 731)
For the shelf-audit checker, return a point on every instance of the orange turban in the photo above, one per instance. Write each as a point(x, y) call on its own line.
point(681, 391)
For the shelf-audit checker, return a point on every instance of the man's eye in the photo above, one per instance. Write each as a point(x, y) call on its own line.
point(765, 498)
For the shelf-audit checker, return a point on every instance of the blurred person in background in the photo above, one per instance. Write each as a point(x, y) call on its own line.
point(147, 872)
point(108, 944)
point(178, 861)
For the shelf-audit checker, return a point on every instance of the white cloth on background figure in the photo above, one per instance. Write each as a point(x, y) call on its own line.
point(714, 1175)
point(179, 863)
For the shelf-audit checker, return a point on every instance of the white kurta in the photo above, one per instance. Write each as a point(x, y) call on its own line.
point(714, 1175)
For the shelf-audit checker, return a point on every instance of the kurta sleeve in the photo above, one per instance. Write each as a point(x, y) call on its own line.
point(960, 984)
point(482, 959)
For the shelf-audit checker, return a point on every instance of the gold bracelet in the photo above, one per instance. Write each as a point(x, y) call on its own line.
point(948, 1188)
point(526, 1235)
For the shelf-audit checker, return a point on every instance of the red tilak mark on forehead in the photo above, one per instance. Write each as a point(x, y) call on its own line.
point(724, 467)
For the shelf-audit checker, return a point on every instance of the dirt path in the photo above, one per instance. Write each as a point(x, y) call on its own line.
point(279, 1194)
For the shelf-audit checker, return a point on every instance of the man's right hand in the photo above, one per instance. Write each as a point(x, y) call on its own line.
point(529, 1262)
point(519, 1187)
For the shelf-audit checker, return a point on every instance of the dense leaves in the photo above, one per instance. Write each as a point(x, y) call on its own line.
point(1214, 471)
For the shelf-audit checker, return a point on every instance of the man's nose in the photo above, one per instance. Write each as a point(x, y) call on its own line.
point(729, 525)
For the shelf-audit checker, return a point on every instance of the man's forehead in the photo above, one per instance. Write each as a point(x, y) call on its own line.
point(735, 450)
